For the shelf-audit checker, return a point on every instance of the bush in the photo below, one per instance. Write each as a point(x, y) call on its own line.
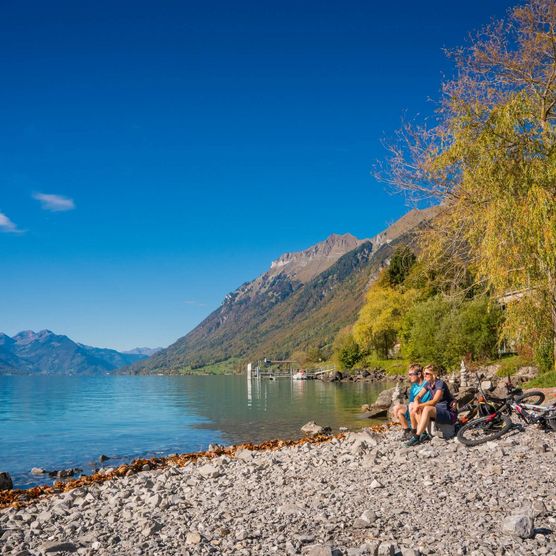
point(346, 350)
point(442, 331)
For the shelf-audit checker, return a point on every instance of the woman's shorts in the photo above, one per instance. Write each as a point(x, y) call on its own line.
point(444, 416)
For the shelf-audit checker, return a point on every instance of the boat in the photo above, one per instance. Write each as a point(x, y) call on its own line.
point(300, 375)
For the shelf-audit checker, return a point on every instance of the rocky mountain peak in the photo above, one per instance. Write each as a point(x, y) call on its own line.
point(29, 336)
point(304, 265)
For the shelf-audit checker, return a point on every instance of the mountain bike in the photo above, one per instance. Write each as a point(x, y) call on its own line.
point(482, 405)
point(527, 406)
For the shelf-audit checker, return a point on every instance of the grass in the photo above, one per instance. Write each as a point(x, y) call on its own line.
point(544, 380)
point(227, 367)
point(391, 366)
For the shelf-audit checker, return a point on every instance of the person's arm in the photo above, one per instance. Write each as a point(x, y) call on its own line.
point(437, 397)
point(417, 399)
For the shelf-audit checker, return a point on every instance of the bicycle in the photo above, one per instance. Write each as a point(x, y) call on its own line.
point(482, 405)
point(496, 424)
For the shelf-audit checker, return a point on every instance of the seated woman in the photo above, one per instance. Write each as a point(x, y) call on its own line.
point(439, 408)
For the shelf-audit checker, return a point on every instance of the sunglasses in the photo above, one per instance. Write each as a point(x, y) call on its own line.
point(412, 374)
point(427, 373)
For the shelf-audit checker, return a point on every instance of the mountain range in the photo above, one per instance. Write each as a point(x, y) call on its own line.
point(301, 302)
point(45, 352)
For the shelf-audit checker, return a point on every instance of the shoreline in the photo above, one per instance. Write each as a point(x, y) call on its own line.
point(20, 498)
point(351, 494)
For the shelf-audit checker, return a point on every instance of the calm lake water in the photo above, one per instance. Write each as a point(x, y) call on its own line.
point(62, 422)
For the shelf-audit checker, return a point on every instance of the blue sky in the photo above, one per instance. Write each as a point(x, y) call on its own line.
point(156, 155)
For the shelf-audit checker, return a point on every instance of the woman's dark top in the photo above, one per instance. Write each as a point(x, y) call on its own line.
point(446, 412)
point(440, 385)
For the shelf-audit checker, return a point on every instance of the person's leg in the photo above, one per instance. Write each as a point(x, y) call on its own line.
point(423, 420)
point(399, 412)
point(429, 412)
point(414, 416)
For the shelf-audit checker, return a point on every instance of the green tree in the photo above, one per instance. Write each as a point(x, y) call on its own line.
point(400, 265)
point(346, 350)
point(443, 330)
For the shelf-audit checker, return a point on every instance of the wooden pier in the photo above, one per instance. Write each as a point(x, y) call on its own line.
point(273, 370)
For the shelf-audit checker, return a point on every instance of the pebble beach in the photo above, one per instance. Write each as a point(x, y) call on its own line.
point(355, 494)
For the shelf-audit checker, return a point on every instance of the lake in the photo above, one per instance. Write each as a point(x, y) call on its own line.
point(62, 422)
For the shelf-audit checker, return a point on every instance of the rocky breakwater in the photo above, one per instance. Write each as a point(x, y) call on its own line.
point(364, 493)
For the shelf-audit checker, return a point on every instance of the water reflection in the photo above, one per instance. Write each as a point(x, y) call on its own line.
point(56, 422)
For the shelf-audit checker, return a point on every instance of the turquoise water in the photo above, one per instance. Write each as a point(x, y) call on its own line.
point(63, 422)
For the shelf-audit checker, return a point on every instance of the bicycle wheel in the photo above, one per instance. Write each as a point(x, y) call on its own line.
point(551, 417)
point(534, 397)
point(484, 429)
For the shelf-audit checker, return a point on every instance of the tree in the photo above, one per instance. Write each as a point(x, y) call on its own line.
point(442, 330)
point(489, 160)
point(346, 350)
point(401, 263)
point(380, 319)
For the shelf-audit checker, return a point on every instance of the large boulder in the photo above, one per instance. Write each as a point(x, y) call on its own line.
point(384, 398)
point(525, 374)
point(465, 395)
point(6, 482)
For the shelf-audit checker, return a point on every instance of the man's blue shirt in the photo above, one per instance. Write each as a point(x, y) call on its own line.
point(415, 389)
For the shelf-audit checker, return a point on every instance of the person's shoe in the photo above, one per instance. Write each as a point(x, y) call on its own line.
point(425, 437)
point(407, 434)
point(413, 441)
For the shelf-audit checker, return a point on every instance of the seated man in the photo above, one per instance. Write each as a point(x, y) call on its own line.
point(402, 412)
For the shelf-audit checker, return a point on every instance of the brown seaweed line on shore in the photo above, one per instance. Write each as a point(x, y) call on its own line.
point(19, 498)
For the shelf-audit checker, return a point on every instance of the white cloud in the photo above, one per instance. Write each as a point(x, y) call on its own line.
point(54, 203)
point(6, 225)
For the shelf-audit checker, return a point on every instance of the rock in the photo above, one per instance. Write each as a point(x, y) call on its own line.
point(519, 525)
point(290, 509)
point(384, 398)
point(64, 473)
point(37, 471)
point(525, 374)
point(487, 385)
point(365, 407)
point(102, 458)
point(367, 518)
point(465, 395)
point(313, 429)
point(376, 412)
point(537, 509)
point(343, 429)
point(57, 546)
point(375, 484)
point(6, 482)
point(318, 550)
point(244, 454)
point(193, 537)
point(151, 528)
point(209, 471)
point(386, 549)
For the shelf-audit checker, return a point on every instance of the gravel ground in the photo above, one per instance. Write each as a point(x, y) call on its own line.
point(364, 494)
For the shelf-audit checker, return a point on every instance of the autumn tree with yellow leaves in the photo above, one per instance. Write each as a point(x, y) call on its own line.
point(489, 161)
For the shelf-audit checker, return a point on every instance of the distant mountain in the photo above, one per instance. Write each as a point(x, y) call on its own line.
point(45, 352)
point(147, 352)
point(301, 301)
